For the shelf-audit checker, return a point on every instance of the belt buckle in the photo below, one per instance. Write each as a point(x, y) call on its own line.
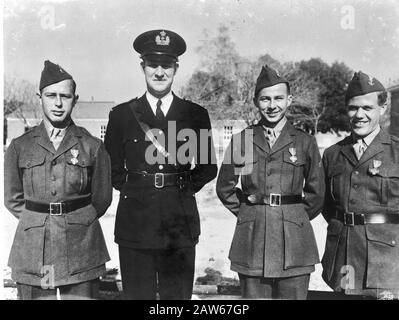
point(159, 180)
point(275, 199)
point(56, 206)
point(349, 219)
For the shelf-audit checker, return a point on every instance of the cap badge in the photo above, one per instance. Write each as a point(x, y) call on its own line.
point(162, 39)
point(371, 81)
point(374, 169)
point(293, 157)
point(75, 154)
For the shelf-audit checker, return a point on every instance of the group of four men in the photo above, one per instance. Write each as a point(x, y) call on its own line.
point(59, 179)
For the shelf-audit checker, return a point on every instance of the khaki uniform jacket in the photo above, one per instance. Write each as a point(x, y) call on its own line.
point(71, 246)
point(371, 251)
point(273, 241)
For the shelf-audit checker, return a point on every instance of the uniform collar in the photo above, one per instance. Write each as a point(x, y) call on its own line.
point(166, 102)
point(278, 128)
point(50, 129)
point(369, 138)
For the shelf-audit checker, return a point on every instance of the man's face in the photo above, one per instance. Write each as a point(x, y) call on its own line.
point(159, 75)
point(365, 113)
point(57, 101)
point(273, 102)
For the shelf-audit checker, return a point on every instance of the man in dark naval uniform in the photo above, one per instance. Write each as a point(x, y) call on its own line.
point(161, 154)
point(57, 183)
point(282, 188)
point(362, 199)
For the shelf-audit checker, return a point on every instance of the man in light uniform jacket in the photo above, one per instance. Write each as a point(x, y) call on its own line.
point(362, 198)
point(282, 189)
point(57, 184)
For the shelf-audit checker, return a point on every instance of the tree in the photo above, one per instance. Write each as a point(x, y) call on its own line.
point(224, 84)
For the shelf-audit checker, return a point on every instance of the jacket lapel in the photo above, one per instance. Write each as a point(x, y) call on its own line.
point(176, 110)
point(70, 140)
point(375, 147)
point(259, 138)
point(284, 139)
point(144, 112)
point(348, 152)
point(43, 139)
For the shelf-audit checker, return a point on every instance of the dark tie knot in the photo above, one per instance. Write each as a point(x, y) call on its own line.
point(159, 113)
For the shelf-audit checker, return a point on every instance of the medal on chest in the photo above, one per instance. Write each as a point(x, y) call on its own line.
point(374, 168)
point(75, 154)
point(292, 152)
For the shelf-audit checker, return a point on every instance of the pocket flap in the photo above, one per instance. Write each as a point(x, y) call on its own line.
point(246, 216)
point(32, 161)
point(388, 172)
point(31, 220)
point(294, 216)
point(80, 162)
point(296, 160)
point(383, 233)
point(83, 216)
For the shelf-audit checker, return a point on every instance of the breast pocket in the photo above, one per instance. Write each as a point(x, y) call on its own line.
point(292, 173)
point(386, 181)
point(78, 174)
point(33, 171)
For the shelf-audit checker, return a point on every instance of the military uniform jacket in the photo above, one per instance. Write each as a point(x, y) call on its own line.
point(372, 250)
point(70, 246)
point(273, 241)
point(149, 217)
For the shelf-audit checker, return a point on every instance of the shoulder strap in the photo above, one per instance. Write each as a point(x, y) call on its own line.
point(147, 131)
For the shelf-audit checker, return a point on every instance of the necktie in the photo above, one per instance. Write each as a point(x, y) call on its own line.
point(359, 147)
point(55, 137)
point(159, 114)
point(270, 136)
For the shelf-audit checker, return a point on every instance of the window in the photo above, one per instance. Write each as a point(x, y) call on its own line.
point(227, 132)
point(103, 129)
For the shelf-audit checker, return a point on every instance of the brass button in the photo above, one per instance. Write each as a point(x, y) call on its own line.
point(160, 132)
point(160, 167)
point(356, 172)
point(135, 140)
point(393, 242)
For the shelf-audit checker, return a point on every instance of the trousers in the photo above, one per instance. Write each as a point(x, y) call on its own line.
point(149, 274)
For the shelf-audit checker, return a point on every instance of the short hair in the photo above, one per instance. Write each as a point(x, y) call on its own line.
point(382, 97)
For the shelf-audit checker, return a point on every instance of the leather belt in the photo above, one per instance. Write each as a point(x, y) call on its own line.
point(58, 208)
point(353, 218)
point(160, 180)
point(272, 199)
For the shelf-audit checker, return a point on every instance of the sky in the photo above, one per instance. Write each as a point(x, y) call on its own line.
point(92, 39)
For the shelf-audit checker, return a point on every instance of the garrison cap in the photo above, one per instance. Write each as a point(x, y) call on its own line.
point(268, 77)
point(52, 73)
point(361, 84)
point(159, 43)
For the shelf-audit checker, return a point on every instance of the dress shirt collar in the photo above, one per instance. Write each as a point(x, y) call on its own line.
point(166, 102)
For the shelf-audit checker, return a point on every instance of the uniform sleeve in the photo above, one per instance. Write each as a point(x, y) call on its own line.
point(329, 205)
point(314, 188)
point(13, 185)
point(226, 184)
point(204, 171)
point(101, 186)
point(114, 145)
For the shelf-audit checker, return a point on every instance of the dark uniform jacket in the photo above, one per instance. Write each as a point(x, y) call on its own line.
point(70, 246)
point(371, 250)
point(150, 217)
point(273, 241)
